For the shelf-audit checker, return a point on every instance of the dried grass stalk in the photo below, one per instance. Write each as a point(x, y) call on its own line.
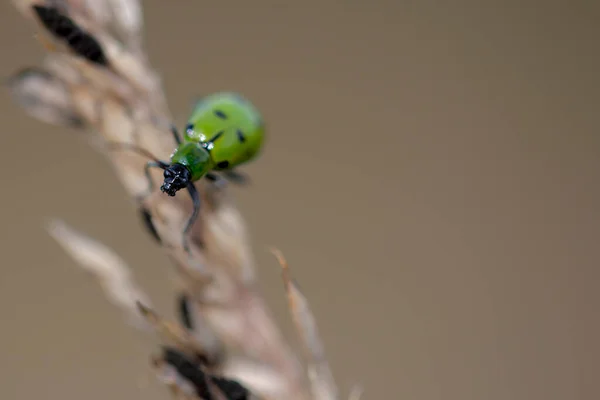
point(118, 97)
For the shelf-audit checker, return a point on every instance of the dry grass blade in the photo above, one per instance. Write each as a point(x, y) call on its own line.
point(323, 385)
point(264, 380)
point(214, 391)
point(44, 97)
point(112, 272)
point(170, 332)
point(356, 393)
point(179, 388)
point(128, 17)
point(194, 375)
point(114, 94)
point(125, 16)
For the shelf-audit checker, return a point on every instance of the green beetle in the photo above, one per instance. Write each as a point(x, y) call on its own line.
point(224, 131)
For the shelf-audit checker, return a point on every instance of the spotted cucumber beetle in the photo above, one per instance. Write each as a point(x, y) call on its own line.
point(224, 131)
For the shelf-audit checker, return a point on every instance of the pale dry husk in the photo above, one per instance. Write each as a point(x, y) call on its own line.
point(125, 102)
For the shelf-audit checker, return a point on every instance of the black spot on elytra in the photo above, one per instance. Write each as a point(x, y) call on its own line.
point(223, 164)
point(220, 114)
point(241, 136)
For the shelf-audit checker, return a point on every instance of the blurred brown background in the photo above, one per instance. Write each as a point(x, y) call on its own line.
point(431, 174)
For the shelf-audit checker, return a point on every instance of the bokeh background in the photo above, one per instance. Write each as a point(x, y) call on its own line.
point(431, 173)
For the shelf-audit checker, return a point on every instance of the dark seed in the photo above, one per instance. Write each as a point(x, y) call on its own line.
point(192, 373)
point(63, 28)
point(147, 220)
point(184, 312)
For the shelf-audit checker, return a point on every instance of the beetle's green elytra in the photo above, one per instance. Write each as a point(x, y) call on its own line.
point(232, 124)
point(224, 131)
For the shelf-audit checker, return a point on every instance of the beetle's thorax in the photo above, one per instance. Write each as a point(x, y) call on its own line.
point(196, 158)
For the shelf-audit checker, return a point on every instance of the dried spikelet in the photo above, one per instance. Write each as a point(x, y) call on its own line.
point(119, 98)
point(356, 393)
point(122, 16)
point(45, 97)
point(323, 385)
point(112, 272)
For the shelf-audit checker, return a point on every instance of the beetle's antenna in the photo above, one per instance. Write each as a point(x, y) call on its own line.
point(208, 145)
point(136, 149)
point(215, 137)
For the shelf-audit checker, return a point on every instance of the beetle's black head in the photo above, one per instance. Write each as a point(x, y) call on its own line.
point(177, 177)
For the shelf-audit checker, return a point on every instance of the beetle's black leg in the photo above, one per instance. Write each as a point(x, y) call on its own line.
point(239, 178)
point(217, 180)
point(147, 167)
point(176, 135)
point(190, 222)
point(155, 163)
point(144, 212)
point(150, 164)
